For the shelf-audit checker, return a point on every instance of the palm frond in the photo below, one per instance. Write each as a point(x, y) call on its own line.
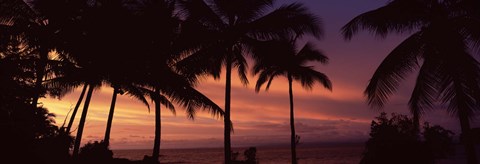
point(267, 76)
point(241, 63)
point(138, 94)
point(309, 53)
point(460, 85)
point(207, 60)
point(426, 88)
point(397, 16)
point(192, 99)
point(288, 20)
point(243, 10)
point(272, 76)
point(180, 91)
point(468, 26)
point(401, 61)
point(308, 76)
point(201, 11)
point(262, 78)
point(16, 11)
point(169, 105)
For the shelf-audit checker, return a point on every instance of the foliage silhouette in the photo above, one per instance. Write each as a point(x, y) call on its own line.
point(95, 152)
point(395, 140)
point(249, 154)
point(444, 36)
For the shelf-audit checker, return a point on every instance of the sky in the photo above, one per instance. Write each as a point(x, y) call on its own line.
point(261, 119)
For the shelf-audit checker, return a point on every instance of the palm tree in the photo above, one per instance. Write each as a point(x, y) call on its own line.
point(155, 74)
point(285, 60)
point(222, 31)
point(74, 113)
point(84, 44)
point(171, 87)
point(123, 87)
point(28, 22)
point(76, 19)
point(37, 35)
point(438, 48)
point(48, 18)
point(81, 125)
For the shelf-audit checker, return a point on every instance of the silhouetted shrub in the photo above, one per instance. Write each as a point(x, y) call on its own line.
point(395, 141)
point(149, 160)
point(31, 132)
point(250, 156)
point(54, 148)
point(438, 140)
point(95, 152)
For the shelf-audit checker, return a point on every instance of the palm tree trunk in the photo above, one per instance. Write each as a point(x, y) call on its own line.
point(81, 124)
point(158, 127)
point(467, 137)
point(110, 116)
point(292, 122)
point(74, 113)
point(40, 73)
point(226, 120)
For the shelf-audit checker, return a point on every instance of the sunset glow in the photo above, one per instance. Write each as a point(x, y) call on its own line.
point(322, 116)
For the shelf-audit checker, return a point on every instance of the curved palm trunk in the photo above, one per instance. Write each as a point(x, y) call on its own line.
point(467, 137)
point(78, 137)
point(40, 73)
point(292, 122)
point(226, 120)
point(74, 113)
point(158, 127)
point(110, 116)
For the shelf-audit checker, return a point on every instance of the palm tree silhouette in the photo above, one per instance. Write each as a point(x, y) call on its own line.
point(20, 20)
point(443, 31)
point(75, 109)
point(86, 40)
point(129, 89)
point(172, 87)
point(63, 17)
point(222, 31)
point(157, 76)
point(285, 60)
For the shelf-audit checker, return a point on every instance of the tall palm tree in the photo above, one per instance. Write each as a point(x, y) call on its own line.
point(88, 40)
point(222, 31)
point(285, 60)
point(81, 125)
point(443, 33)
point(85, 39)
point(156, 75)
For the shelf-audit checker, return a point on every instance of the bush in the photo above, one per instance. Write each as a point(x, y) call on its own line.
point(95, 152)
point(250, 156)
point(395, 141)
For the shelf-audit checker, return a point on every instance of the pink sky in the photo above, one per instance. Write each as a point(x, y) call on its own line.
point(262, 118)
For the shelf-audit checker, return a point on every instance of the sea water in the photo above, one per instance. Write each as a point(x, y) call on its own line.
point(265, 155)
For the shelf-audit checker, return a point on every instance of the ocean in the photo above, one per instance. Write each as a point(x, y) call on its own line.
point(313, 154)
point(269, 155)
